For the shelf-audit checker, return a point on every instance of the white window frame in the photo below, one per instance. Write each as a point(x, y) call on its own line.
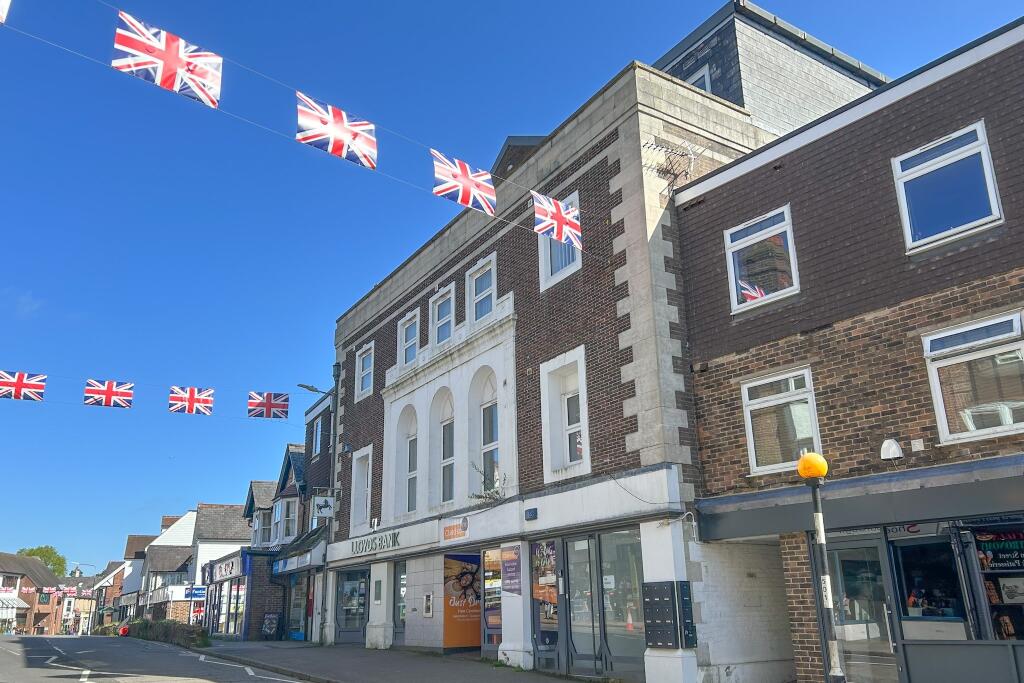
point(785, 226)
point(555, 444)
point(448, 291)
point(411, 474)
point(777, 399)
point(269, 526)
point(290, 514)
point(411, 318)
point(276, 523)
point(360, 523)
point(366, 349)
point(568, 428)
point(318, 428)
point(992, 346)
point(704, 71)
point(544, 254)
point(902, 177)
point(490, 446)
point(488, 262)
point(447, 462)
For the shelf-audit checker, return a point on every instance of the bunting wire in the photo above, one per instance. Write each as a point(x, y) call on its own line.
point(267, 129)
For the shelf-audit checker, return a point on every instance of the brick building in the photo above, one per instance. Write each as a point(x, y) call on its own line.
point(28, 591)
point(515, 417)
point(855, 288)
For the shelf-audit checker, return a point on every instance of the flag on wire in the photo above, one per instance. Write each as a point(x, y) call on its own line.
point(165, 59)
point(455, 180)
point(22, 386)
point(751, 292)
point(326, 127)
point(268, 404)
point(108, 393)
point(191, 400)
point(557, 220)
point(5, 6)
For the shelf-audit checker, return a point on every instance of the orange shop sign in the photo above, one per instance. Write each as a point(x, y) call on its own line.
point(459, 529)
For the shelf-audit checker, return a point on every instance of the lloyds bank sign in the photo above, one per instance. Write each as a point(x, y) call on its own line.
point(375, 544)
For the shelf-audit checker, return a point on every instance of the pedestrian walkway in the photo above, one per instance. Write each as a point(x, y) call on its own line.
point(356, 664)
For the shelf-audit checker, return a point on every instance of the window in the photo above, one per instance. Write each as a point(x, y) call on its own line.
point(276, 524)
point(558, 260)
point(977, 378)
point(263, 524)
point(362, 476)
point(480, 289)
point(410, 482)
point(364, 372)
point(290, 515)
point(489, 446)
point(564, 416)
point(409, 337)
point(317, 428)
point(9, 581)
point(929, 587)
point(947, 188)
point(781, 421)
point(761, 260)
point(701, 78)
point(442, 315)
point(447, 460)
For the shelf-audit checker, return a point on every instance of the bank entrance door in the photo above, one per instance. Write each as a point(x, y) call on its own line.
point(864, 607)
point(587, 614)
point(350, 610)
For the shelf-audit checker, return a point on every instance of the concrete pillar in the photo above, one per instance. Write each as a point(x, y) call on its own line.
point(380, 625)
point(332, 603)
point(516, 647)
point(664, 549)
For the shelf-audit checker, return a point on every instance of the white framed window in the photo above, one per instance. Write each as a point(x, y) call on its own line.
point(701, 78)
point(947, 188)
point(558, 260)
point(317, 429)
point(976, 373)
point(442, 315)
point(447, 460)
point(410, 480)
point(761, 259)
point(409, 338)
point(481, 288)
point(276, 523)
point(781, 420)
point(263, 527)
point(564, 427)
point(291, 509)
point(364, 372)
point(362, 478)
point(489, 455)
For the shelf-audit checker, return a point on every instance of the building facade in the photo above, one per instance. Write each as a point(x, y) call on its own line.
point(29, 596)
point(854, 288)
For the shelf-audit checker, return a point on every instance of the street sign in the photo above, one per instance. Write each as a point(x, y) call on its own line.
point(196, 593)
point(323, 506)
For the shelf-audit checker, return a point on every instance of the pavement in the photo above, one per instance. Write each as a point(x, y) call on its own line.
point(96, 659)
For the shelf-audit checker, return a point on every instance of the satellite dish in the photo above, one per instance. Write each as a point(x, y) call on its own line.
point(891, 450)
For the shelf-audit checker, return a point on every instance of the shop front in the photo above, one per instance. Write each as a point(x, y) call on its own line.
point(298, 566)
point(226, 603)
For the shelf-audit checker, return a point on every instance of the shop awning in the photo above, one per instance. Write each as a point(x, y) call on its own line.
point(13, 603)
point(989, 486)
point(298, 555)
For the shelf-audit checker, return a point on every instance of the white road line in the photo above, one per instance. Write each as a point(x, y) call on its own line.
point(82, 652)
point(84, 678)
point(50, 660)
point(249, 671)
point(271, 678)
point(15, 653)
point(202, 658)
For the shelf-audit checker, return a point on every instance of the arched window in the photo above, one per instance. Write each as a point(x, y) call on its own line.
point(490, 465)
point(447, 425)
point(407, 461)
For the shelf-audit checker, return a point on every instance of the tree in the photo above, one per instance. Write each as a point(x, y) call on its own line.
point(57, 563)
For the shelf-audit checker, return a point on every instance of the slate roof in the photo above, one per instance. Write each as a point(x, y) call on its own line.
point(260, 497)
point(168, 558)
point(86, 581)
point(32, 567)
point(295, 461)
point(135, 546)
point(221, 523)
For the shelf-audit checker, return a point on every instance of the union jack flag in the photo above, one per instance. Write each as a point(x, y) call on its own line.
point(22, 386)
point(455, 180)
point(165, 59)
point(558, 221)
point(751, 292)
point(5, 5)
point(268, 404)
point(191, 400)
point(326, 127)
point(108, 393)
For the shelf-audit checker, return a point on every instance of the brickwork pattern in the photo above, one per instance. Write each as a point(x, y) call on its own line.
point(801, 606)
point(261, 595)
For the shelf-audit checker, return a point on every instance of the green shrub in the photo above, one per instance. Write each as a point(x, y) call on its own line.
point(106, 630)
point(167, 631)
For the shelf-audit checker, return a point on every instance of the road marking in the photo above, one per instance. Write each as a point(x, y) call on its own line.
point(249, 671)
point(271, 678)
point(202, 658)
point(50, 660)
point(16, 654)
point(83, 652)
point(84, 678)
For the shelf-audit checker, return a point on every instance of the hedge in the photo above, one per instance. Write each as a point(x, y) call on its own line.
point(167, 631)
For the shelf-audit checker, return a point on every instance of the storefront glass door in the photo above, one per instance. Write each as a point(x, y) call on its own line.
point(351, 608)
point(490, 622)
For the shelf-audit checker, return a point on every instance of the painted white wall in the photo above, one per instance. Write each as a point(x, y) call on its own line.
point(380, 625)
point(179, 533)
point(205, 551)
point(516, 647)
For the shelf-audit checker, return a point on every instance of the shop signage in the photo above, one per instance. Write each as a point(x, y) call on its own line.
point(374, 544)
point(915, 529)
point(461, 601)
point(456, 530)
point(1000, 548)
point(196, 593)
point(294, 562)
point(511, 571)
point(228, 569)
point(323, 506)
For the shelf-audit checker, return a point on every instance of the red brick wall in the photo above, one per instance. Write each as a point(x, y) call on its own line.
point(800, 603)
point(262, 596)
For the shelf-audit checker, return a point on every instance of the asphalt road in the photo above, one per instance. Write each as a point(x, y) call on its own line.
point(97, 659)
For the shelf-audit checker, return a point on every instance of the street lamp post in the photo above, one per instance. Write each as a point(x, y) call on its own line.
point(813, 467)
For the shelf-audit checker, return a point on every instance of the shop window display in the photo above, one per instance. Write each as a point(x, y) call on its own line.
point(1000, 552)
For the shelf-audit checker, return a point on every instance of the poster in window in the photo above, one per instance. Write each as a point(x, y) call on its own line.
point(511, 572)
point(542, 562)
point(461, 601)
point(1000, 549)
point(1012, 589)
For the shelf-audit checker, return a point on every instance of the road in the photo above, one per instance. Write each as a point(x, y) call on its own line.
point(97, 659)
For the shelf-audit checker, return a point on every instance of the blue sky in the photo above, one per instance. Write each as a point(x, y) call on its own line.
point(150, 239)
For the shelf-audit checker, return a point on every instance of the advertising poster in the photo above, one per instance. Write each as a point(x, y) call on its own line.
point(544, 587)
point(461, 601)
point(511, 571)
point(1000, 548)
